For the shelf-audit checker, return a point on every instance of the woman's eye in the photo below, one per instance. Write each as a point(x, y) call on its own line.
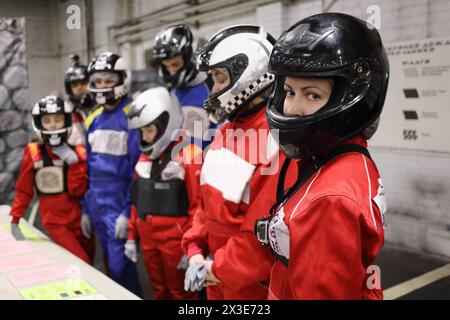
point(313, 96)
point(289, 93)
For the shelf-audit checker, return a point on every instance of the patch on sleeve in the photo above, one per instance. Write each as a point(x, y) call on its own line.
point(380, 201)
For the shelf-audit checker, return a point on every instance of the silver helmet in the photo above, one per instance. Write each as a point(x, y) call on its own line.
point(156, 106)
point(243, 50)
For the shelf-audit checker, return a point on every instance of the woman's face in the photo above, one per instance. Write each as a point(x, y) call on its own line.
point(221, 79)
point(305, 96)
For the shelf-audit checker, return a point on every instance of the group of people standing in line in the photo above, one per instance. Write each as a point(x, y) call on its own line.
point(295, 211)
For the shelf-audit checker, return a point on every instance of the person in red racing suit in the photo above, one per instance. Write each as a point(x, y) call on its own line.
point(238, 182)
point(58, 173)
point(328, 228)
point(160, 215)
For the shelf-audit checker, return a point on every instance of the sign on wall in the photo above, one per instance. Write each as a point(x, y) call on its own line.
point(416, 113)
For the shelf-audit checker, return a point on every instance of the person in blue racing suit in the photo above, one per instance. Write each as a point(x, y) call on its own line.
point(173, 51)
point(112, 153)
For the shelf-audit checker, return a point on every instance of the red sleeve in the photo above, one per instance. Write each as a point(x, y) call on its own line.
point(243, 249)
point(77, 180)
point(325, 250)
point(192, 182)
point(24, 187)
point(195, 239)
point(132, 230)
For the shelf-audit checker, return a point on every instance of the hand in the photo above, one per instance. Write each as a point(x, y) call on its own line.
point(210, 277)
point(86, 228)
point(65, 153)
point(183, 264)
point(131, 250)
point(195, 277)
point(196, 258)
point(173, 170)
point(121, 228)
point(16, 232)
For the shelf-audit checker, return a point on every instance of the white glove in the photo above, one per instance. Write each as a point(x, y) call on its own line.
point(173, 170)
point(65, 153)
point(16, 232)
point(131, 250)
point(195, 277)
point(121, 229)
point(183, 264)
point(86, 228)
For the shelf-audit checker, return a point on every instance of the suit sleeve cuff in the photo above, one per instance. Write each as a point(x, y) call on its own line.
point(193, 249)
point(15, 220)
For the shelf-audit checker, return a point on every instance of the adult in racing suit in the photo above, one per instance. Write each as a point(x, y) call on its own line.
point(327, 230)
point(239, 173)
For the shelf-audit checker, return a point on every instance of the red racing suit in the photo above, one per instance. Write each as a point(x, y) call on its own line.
point(160, 236)
point(331, 230)
point(238, 186)
point(60, 212)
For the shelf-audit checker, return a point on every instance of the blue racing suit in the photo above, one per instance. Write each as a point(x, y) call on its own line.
point(191, 97)
point(112, 153)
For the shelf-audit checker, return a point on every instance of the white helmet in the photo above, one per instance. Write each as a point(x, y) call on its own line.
point(47, 106)
point(244, 51)
point(109, 64)
point(160, 107)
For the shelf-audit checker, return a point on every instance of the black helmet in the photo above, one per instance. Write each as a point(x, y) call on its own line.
point(77, 72)
point(328, 45)
point(171, 42)
point(109, 63)
point(52, 105)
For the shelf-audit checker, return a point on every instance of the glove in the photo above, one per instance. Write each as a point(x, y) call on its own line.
point(66, 153)
point(183, 264)
point(195, 277)
point(172, 171)
point(131, 250)
point(121, 229)
point(86, 228)
point(16, 232)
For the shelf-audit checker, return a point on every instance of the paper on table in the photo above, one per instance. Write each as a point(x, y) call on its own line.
point(58, 291)
point(13, 247)
point(42, 274)
point(24, 261)
point(5, 236)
